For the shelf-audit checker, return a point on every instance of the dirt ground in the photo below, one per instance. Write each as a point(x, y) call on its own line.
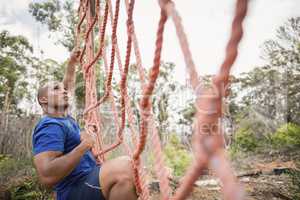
point(264, 187)
point(263, 177)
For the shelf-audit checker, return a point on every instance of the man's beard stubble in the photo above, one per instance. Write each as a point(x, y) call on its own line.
point(62, 107)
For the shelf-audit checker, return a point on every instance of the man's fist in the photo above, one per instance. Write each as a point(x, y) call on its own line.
point(75, 56)
point(87, 140)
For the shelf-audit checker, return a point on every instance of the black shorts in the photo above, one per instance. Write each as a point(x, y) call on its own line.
point(87, 188)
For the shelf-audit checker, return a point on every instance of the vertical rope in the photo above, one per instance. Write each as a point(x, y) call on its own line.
point(108, 81)
point(110, 11)
point(149, 88)
point(109, 78)
point(235, 38)
point(92, 121)
point(145, 107)
point(137, 53)
point(113, 105)
point(82, 8)
point(190, 65)
point(159, 166)
point(102, 37)
point(209, 148)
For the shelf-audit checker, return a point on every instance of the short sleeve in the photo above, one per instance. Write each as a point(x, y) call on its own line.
point(48, 137)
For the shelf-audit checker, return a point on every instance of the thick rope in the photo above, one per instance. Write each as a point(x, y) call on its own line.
point(209, 148)
point(145, 101)
point(124, 75)
point(113, 105)
point(90, 28)
point(235, 38)
point(190, 65)
point(102, 37)
point(92, 120)
point(131, 120)
point(137, 53)
point(159, 165)
point(147, 92)
point(109, 77)
point(82, 8)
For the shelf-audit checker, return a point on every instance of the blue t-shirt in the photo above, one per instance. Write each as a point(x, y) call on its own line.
point(63, 135)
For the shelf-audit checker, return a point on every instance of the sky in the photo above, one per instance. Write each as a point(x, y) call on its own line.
point(206, 22)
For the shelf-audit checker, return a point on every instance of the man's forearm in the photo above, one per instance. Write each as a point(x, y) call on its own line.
point(62, 166)
point(69, 77)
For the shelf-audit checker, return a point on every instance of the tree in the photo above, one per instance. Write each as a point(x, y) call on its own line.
point(162, 101)
point(272, 91)
point(15, 55)
point(284, 55)
point(58, 18)
point(163, 98)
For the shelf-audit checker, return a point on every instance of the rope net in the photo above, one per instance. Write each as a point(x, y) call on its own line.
point(207, 133)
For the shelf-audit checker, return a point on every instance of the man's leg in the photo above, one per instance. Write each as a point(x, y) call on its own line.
point(116, 179)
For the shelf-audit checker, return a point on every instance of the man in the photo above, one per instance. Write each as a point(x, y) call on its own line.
point(62, 153)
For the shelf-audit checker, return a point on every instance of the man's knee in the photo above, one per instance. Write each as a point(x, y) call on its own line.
point(117, 173)
point(125, 177)
point(125, 180)
point(125, 166)
point(119, 167)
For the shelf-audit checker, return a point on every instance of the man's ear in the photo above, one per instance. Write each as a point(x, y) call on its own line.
point(43, 100)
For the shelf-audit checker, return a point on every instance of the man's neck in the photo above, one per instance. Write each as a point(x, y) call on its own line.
point(56, 112)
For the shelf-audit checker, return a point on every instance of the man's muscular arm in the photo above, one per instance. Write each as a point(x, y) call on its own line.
point(70, 76)
point(53, 166)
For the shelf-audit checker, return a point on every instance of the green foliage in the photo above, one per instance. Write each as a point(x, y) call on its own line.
point(244, 141)
point(29, 189)
point(177, 157)
point(274, 88)
point(6, 162)
point(271, 91)
point(19, 178)
point(247, 138)
point(263, 86)
point(58, 18)
point(47, 70)
point(46, 13)
point(15, 55)
point(287, 136)
point(188, 114)
point(9, 166)
point(165, 86)
point(295, 187)
point(80, 85)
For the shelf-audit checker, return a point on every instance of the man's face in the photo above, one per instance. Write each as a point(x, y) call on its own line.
point(56, 95)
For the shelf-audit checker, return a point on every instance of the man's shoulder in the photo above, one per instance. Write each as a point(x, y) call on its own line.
point(46, 121)
point(48, 135)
